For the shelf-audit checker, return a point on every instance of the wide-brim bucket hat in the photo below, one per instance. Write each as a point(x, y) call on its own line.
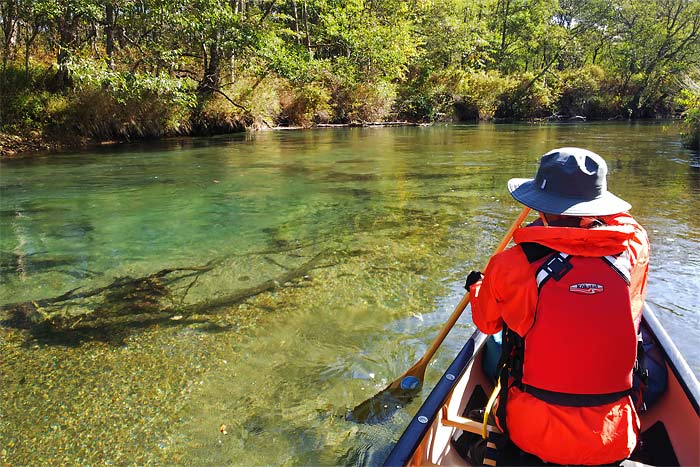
point(570, 182)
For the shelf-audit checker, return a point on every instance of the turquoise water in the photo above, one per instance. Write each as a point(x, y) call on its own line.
point(323, 264)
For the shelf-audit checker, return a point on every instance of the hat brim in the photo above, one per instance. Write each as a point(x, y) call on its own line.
point(526, 192)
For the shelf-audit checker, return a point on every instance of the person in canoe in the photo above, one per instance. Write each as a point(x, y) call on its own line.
point(568, 297)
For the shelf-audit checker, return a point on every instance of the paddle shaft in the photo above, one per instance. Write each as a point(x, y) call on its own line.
point(465, 300)
point(376, 408)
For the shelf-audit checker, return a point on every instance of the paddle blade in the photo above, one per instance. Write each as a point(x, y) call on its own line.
point(383, 405)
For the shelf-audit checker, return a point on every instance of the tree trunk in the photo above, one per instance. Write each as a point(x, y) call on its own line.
point(504, 27)
point(305, 14)
point(32, 33)
point(109, 34)
point(8, 13)
point(211, 80)
point(296, 21)
point(66, 29)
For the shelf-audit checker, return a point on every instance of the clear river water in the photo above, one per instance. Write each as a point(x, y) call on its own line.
point(224, 301)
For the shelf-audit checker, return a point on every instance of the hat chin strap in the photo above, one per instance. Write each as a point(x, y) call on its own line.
point(543, 216)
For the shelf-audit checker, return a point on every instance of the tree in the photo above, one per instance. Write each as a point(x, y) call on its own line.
point(454, 33)
point(9, 21)
point(650, 43)
point(523, 29)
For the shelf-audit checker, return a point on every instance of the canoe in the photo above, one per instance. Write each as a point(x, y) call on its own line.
point(670, 427)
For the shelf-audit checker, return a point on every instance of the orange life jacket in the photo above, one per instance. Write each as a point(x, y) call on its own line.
point(584, 312)
point(575, 435)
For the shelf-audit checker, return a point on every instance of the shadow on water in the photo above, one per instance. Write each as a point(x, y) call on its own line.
point(110, 313)
point(381, 407)
point(31, 263)
point(111, 322)
point(113, 334)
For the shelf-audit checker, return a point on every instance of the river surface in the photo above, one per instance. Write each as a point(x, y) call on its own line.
point(225, 301)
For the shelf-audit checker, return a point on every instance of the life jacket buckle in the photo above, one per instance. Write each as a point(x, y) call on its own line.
point(557, 267)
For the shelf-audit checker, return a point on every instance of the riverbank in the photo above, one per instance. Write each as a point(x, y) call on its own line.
point(35, 142)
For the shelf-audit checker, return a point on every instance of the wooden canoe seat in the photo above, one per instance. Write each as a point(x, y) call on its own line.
point(466, 424)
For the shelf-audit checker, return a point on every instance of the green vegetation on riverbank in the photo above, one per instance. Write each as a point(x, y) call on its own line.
point(78, 70)
point(689, 99)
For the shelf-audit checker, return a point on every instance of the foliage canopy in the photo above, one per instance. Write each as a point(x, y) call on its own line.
point(253, 62)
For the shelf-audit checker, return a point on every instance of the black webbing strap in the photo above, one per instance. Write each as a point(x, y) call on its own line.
point(642, 372)
point(574, 400)
point(493, 445)
point(511, 366)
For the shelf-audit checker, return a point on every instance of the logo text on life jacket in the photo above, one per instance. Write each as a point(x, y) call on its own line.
point(586, 288)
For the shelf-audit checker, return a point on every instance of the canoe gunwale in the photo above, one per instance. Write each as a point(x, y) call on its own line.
point(675, 360)
point(424, 418)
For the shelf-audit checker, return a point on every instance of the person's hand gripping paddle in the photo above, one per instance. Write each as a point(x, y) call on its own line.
point(402, 390)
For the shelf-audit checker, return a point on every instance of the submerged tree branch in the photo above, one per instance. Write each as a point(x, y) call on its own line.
point(149, 298)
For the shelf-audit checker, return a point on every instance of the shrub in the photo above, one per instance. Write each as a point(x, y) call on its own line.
point(689, 99)
point(260, 95)
point(453, 93)
point(580, 92)
point(251, 102)
point(337, 76)
point(426, 96)
point(216, 114)
point(690, 128)
point(371, 102)
point(23, 98)
point(445, 89)
point(109, 104)
point(97, 113)
point(484, 91)
point(103, 104)
point(526, 97)
point(306, 104)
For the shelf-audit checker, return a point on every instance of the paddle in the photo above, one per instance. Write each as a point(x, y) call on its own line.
point(402, 390)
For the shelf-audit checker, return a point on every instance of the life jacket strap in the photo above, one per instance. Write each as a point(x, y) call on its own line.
point(559, 264)
point(510, 372)
point(574, 400)
point(642, 372)
point(620, 263)
point(555, 267)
